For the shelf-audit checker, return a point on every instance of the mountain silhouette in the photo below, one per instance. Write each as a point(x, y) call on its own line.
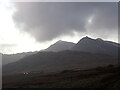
point(60, 46)
point(98, 45)
point(87, 53)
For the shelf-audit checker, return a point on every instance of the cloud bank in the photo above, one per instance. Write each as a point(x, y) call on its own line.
point(49, 20)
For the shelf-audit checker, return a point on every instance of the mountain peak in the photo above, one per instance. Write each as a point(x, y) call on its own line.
point(99, 39)
point(98, 45)
point(60, 41)
point(91, 39)
point(60, 46)
point(85, 39)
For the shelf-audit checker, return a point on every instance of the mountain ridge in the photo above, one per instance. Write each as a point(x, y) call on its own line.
point(98, 45)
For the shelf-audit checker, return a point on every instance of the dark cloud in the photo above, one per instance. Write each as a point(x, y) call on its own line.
point(46, 21)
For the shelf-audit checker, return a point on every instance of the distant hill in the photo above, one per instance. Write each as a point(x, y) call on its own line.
point(87, 44)
point(55, 61)
point(60, 46)
point(9, 58)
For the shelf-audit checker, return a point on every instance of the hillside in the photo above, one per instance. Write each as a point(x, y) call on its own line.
point(54, 61)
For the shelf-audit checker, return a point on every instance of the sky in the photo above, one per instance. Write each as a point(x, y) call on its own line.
point(32, 26)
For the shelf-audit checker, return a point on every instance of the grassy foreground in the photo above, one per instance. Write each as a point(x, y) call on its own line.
point(101, 77)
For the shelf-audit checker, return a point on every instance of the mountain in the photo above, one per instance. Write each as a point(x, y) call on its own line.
point(9, 58)
point(87, 53)
point(60, 46)
point(55, 61)
point(87, 44)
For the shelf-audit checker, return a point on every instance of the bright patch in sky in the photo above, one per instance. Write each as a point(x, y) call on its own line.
point(13, 40)
point(90, 20)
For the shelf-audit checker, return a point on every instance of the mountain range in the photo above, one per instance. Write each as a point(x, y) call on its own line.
point(87, 53)
point(86, 44)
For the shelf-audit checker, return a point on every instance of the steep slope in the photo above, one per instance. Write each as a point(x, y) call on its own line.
point(60, 46)
point(54, 61)
point(87, 44)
